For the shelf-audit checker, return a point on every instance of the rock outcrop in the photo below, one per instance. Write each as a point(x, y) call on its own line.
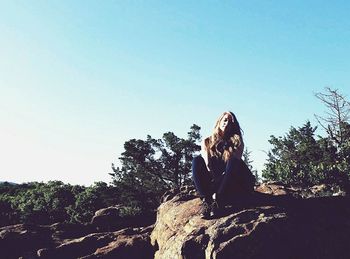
point(279, 224)
point(23, 240)
point(277, 221)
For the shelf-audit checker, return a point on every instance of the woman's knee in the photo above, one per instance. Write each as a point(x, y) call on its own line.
point(198, 163)
point(198, 159)
point(198, 166)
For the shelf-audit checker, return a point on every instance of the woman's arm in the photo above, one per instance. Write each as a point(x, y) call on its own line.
point(205, 153)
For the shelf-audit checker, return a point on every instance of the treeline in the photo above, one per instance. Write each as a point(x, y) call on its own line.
point(150, 167)
point(46, 203)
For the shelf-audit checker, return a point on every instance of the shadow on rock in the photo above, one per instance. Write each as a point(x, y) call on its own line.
point(257, 226)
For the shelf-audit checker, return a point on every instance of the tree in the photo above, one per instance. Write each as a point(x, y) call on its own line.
point(7, 213)
point(152, 166)
point(90, 199)
point(338, 114)
point(248, 161)
point(177, 154)
point(336, 123)
point(298, 158)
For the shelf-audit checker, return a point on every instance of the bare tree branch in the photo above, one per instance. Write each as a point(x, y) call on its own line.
point(337, 113)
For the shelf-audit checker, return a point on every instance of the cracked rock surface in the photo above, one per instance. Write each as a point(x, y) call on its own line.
point(280, 224)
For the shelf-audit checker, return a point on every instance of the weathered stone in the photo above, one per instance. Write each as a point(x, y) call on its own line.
point(23, 240)
point(80, 247)
point(274, 225)
point(104, 245)
point(129, 243)
point(107, 219)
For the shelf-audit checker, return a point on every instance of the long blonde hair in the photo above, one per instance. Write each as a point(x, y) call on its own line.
point(232, 136)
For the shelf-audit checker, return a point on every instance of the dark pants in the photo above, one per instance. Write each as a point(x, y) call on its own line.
point(235, 178)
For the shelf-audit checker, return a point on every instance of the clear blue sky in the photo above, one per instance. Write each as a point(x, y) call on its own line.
point(79, 78)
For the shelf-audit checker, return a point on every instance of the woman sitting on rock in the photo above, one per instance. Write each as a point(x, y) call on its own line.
point(219, 173)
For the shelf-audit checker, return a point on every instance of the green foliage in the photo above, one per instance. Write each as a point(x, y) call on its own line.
point(46, 203)
point(248, 161)
point(299, 158)
point(152, 166)
point(91, 199)
point(7, 213)
point(43, 203)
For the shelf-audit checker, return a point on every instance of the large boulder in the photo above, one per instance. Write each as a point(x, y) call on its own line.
point(265, 226)
point(109, 219)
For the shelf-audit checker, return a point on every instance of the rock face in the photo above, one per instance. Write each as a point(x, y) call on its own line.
point(277, 225)
point(124, 243)
point(21, 240)
point(73, 241)
point(277, 221)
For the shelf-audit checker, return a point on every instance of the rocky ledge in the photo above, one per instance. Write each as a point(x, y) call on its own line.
point(277, 221)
